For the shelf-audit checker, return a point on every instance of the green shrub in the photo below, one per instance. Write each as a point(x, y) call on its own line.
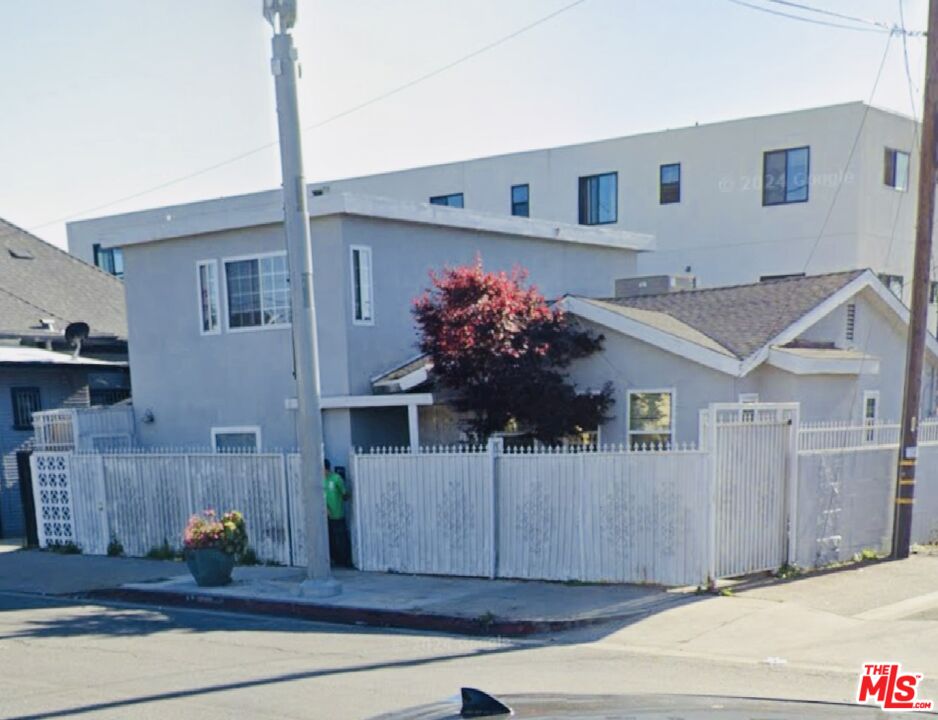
point(65, 548)
point(162, 552)
point(115, 548)
point(248, 557)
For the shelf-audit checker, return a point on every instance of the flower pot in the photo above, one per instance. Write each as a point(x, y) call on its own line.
point(210, 567)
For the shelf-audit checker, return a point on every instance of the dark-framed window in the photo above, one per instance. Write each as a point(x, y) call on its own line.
point(521, 200)
point(111, 260)
point(26, 401)
point(669, 184)
point(895, 283)
point(896, 169)
point(599, 198)
point(452, 200)
point(785, 176)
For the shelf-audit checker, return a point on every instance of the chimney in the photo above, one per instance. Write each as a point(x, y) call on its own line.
point(654, 285)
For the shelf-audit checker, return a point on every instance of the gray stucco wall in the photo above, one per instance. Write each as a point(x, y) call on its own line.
point(58, 387)
point(192, 382)
point(632, 364)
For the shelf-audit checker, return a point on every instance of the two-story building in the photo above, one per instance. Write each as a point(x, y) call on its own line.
point(208, 307)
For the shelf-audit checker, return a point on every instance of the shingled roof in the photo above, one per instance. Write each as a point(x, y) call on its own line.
point(39, 280)
point(742, 319)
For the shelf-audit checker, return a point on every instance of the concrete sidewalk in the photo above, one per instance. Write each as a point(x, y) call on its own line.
point(462, 605)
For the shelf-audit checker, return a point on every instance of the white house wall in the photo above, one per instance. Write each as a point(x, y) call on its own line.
point(192, 382)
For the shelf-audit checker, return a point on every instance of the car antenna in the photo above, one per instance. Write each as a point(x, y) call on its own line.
point(476, 703)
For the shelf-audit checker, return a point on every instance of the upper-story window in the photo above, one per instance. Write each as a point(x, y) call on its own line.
point(599, 199)
point(111, 260)
point(207, 277)
point(669, 190)
point(896, 169)
point(785, 175)
point(521, 200)
point(895, 283)
point(362, 289)
point(258, 291)
point(452, 200)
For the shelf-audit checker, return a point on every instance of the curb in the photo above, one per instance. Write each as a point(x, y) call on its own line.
point(341, 615)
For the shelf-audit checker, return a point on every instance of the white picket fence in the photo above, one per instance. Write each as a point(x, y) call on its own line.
point(144, 500)
point(764, 490)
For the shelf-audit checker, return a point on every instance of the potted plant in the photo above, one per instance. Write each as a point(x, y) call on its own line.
point(212, 545)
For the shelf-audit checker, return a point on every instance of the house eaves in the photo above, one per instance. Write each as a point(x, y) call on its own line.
point(259, 209)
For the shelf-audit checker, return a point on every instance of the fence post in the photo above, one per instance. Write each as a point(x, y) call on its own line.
point(793, 444)
point(101, 493)
point(495, 445)
point(285, 488)
point(356, 508)
point(190, 500)
point(714, 480)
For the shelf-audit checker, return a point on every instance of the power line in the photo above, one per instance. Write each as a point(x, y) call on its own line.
point(852, 18)
point(853, 150)
point(877, 27)
point(355, 108)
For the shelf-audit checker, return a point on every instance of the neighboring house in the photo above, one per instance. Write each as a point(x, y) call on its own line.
point(42, 291)
point(208, 306)
point(836, 343)
point(730, 202)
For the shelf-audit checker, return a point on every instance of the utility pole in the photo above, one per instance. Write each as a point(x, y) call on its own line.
point(921, 278)
point(281, 14)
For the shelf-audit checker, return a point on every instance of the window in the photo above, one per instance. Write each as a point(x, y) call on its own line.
point(207, 276)
point(651, 417)
point(870, 413)
point(851, 329)
point(111, 260)
point(108, 387)
point(896, 169)
point(520, 200)
point(236, 439)
point(258, 292)
point(893, 282)
point(454, 200)
point(669, 190)
point(362, 293)
point(785, 176)
point(25, 403)
point(599, 199)
point(933, 292)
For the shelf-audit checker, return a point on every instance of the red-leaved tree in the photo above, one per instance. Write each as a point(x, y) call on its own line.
point(502, 351)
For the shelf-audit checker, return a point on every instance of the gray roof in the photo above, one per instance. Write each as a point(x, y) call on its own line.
point(39, 280)
point(742, 318)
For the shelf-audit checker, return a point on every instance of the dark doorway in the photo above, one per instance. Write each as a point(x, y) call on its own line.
point(26, 497)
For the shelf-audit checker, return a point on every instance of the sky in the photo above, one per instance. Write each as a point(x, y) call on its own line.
point(109, 106)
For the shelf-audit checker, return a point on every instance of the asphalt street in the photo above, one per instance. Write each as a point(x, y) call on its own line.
point(67, 659)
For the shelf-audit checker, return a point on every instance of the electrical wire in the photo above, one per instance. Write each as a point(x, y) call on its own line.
point(344, 113)
point(879, 28)
point(852, 18)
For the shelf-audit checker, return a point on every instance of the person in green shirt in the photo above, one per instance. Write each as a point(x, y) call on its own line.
point(336, 493)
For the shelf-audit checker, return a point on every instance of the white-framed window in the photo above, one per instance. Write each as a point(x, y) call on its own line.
point(207, 283)
point(870, 413)
point(363, 312)
point(651, 417)
point(239, 439)
point(896, 169)
point(257, 292)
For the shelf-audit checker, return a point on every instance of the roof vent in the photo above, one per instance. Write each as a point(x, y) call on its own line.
point(47, 324)
point(19, 254)
point(654, 285)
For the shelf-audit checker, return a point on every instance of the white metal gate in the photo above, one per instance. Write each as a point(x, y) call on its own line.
point(754, 450)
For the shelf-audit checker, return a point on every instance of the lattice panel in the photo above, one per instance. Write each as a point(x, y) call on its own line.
point(53, 498)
